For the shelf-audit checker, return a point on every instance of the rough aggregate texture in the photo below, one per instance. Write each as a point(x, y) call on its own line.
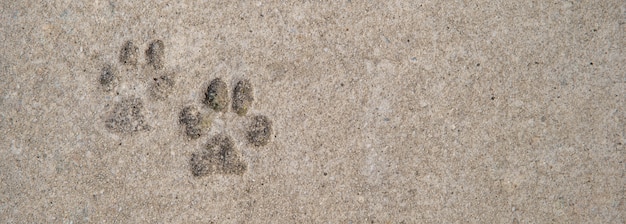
point(381, 112)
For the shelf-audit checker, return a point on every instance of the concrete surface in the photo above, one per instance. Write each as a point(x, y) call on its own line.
point(380, 112)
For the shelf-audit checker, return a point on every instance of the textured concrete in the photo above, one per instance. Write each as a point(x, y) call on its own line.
point(361, 111)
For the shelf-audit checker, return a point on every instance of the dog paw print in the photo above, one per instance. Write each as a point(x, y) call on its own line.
point(220, 156)
point(126, 116)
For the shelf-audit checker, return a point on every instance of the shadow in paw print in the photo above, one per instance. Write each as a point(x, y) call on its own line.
point(194, 121)
point(219, 157)
point(162, 87)
point(128, 54)
point(155, 54)
point(216, 96)
point(127, 117)
point(108, 78)
point(242, 97)
point(258, 133)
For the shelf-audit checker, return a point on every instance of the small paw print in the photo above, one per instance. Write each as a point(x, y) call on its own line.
point(127, 113)
point(220, 155)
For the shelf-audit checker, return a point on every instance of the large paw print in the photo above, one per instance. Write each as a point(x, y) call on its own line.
point(127, 113)
point(220, 155)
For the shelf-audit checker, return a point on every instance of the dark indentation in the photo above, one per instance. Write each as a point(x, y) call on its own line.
point(260, 131)
point(127, 117)
point(108, 78)
point(242, 97)
point(155, 54)
point(191, 118)
point(216, 95)
point(193, 132)
point(162, 87)
point(128, 54)
point(218, 157)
